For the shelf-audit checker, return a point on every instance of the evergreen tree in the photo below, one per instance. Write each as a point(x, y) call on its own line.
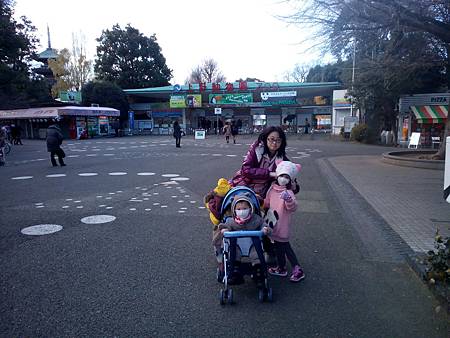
point(130, 59)
point(19, 87)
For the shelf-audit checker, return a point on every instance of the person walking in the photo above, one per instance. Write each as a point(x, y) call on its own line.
point(54, 140)
point(280, 198)
point(227, 131)
point(307, 126)
point(177, 134)
point(234, 131)
point(3, 138)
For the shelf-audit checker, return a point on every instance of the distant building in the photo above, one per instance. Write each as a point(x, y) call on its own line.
point(43, 57)
point(252, 105)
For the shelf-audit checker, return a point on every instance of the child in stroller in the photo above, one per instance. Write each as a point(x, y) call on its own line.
point(238, 246)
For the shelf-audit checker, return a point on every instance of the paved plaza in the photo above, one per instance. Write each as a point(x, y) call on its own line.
point(128, 250)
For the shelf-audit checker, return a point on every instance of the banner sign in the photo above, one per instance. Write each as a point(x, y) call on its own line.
point(156, 114)
point(275, 96)
point(340, 98)
point(131, 119)
point(230, 98)
point(70, 96)
point(186, 101)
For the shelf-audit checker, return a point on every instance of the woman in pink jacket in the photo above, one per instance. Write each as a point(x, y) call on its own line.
point(280, 198)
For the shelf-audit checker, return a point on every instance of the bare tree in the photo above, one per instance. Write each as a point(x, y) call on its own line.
point(298, 74)
point(335, 23)
point(80, 68)
point(71, 69)
point(208, 71)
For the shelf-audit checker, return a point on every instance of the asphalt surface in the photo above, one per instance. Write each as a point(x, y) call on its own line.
point(151, 271)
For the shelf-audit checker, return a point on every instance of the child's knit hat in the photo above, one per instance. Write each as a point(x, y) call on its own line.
point(289, 168)
point(240, 198)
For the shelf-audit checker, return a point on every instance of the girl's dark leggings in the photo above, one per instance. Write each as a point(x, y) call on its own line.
point(283, 250)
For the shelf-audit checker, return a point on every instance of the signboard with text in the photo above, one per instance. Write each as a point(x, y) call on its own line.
point(230, 98)
point(186, 101)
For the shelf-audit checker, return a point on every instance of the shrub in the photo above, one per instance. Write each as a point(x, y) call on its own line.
point(360, 133)
point(439, 260)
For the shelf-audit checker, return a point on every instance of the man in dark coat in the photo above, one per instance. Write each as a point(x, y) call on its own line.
point(54, 141)
point(177, 134)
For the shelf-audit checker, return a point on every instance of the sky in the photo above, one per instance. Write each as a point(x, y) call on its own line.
point(244, 36)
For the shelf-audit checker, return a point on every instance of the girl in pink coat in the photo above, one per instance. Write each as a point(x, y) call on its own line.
point(281, 200)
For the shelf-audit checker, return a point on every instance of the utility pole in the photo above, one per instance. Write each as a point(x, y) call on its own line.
point(353, 75)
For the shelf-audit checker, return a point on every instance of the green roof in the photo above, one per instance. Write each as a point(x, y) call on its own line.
point(49, 53)
point(250, 86)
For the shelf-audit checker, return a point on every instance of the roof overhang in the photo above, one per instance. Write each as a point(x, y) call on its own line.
point(53, 112)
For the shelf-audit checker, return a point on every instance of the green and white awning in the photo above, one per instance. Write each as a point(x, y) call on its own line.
point(430, 114)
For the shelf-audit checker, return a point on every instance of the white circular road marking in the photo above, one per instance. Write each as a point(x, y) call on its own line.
point(145, 174)
point(87, 174)
point(98, 219)
point(55, 175)
point(41, 229)
point(170, 175)
point(118, 173)
point(22, 178)
point(180, 179)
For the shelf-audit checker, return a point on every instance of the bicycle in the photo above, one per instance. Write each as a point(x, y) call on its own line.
point(7, 148)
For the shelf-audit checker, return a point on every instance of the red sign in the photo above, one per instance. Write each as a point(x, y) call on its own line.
point(242, 85)
point(202, 86)
point(229, 87)
point(216, 86)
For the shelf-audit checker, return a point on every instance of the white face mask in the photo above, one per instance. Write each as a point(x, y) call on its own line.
point(242, 213)
point(283, 181)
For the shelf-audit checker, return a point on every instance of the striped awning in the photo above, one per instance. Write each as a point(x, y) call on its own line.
point(430, 114)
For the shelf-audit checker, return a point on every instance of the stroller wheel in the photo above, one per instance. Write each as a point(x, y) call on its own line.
point(230, 296)
point(269, 295)
point(222, 297)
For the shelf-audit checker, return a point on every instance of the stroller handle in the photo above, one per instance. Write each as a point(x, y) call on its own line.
point(239, 234)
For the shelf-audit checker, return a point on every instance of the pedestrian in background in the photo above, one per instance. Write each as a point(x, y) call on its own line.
point(177, 134)
point(227, 131)
point(54, 140)
point(16, 134)
point(2, 146)
point(234, 131)
point(307, 126)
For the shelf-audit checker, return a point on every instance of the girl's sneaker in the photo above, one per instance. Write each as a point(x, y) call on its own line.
point(297, 274)
point(277, 271)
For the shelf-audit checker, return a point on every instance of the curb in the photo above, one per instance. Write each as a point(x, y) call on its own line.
point(401, 158)
point(398, 245)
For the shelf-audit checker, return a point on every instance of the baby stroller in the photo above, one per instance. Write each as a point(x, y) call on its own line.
point(243, 241)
